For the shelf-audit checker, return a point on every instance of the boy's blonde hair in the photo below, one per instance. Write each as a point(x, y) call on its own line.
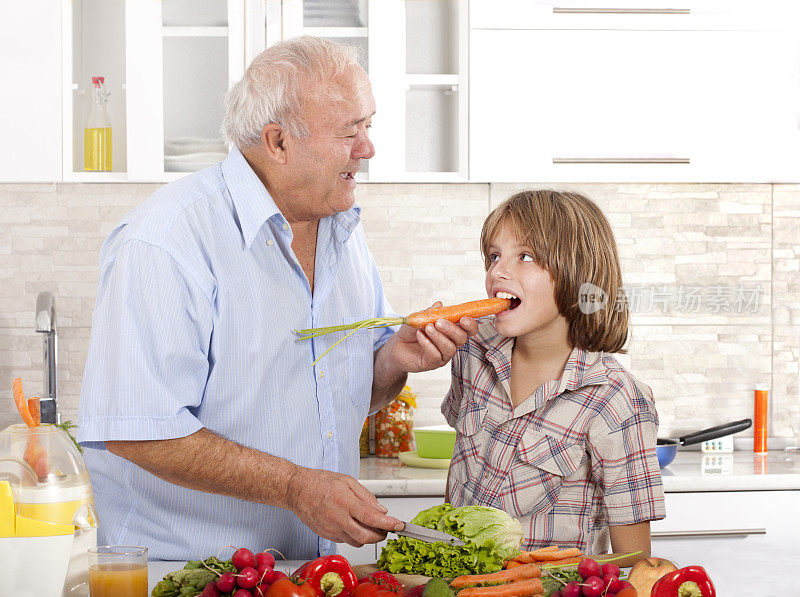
point(572, 240)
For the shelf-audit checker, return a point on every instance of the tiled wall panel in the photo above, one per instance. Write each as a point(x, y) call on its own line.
point(713, 272)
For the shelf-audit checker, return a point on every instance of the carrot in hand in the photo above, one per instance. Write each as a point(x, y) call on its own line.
point(525, 571)
point(523, 588)
point(418, 320)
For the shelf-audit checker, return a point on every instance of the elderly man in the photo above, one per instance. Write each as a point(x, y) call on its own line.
point(204, 422)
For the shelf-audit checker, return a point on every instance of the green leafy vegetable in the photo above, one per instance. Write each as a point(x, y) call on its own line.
point(491, 537)
point(67, 427)
point(192, 578)
point(480, 524)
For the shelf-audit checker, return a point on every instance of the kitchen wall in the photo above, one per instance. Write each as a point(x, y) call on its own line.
point(713, 274)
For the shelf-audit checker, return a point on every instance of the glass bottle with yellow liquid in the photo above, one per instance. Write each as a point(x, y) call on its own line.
point(97, 134)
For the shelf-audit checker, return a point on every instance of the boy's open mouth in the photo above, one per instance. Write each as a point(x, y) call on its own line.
point(515, 302)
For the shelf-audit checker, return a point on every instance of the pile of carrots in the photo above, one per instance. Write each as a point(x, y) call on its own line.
point(30, 411)
point(552, 556)
point(519, 581)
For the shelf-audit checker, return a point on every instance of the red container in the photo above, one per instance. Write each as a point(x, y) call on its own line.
point(760, 408)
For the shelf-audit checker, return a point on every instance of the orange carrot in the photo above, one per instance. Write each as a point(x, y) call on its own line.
point(513, 564)
point(22, 406)
point(454, 313)
point(558, 555)
point(523, 588)
point(564, 561)
point(35, 410)
point(522, 572)
point(419, 319)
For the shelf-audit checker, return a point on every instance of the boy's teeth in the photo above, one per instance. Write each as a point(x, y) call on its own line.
point(505, 295)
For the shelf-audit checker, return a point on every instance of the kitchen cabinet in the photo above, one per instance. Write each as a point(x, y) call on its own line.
point(714, 529)
point(633, 100)
point(169, 63)
point(30, 118)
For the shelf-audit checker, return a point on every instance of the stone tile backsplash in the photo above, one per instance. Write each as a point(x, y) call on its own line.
point(712, 273)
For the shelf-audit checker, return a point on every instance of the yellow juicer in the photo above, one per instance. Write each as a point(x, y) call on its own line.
point(47, 516)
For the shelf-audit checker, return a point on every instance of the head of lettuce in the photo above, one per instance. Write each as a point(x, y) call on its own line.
point(491, 537)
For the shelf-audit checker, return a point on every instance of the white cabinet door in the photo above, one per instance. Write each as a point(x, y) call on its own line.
point(684, 15)
point(742, 538)
point(606, 106)
point(30, 107)
point(358, 555)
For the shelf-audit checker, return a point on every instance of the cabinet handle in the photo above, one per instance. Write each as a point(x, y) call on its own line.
point(708, 533)
point(622, 11)
point(621, 160)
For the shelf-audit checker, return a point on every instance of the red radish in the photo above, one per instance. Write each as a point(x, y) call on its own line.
point(226, 583)
point(612, 583)
point(610, 569)
point(556, 594)
point(571, 589)
point(211, 590)
point(277, 575)
point(588, 567)
point(265, 573)
point(247, 578)
point(243, 558)
point(243, 593)
point(265, 558)
point(262, 589)
point(593, 586)
point(624, 584)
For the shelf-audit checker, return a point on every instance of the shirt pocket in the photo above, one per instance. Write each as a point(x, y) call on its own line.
point(541, 463)
point(359, 367)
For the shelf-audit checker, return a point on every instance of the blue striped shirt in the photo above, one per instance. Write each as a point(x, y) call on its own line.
point(198, 294)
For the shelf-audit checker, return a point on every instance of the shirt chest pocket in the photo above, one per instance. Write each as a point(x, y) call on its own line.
point(538, 471)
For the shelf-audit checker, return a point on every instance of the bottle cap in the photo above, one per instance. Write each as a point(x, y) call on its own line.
point(762, 387)
point(98, 80)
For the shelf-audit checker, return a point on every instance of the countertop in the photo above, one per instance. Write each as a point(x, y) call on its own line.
point(690, 471)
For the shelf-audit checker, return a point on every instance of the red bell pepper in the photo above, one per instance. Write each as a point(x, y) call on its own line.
point(692, 581)
point(331, 575)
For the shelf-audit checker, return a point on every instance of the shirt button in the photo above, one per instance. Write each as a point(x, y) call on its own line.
point(321, 374)
point(330, 435)
point(286, 226)
point(269, 242)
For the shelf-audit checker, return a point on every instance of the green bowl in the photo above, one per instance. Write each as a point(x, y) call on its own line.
point(437, 441)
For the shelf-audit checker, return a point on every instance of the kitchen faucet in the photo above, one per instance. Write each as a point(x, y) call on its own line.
point(46, 324)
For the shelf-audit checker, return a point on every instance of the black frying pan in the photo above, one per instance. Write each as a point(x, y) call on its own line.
point(667, 447)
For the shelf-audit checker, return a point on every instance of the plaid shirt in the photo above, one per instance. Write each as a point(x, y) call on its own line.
point(576, 456)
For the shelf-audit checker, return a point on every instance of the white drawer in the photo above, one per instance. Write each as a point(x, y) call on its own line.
point(676, 15)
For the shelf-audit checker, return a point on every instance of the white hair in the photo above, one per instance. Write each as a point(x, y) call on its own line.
point(270, 90)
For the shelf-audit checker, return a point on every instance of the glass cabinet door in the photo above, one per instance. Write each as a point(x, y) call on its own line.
point(182, 56)
point(200, 61)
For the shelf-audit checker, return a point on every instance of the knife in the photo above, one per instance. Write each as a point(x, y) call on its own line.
point(416, 531)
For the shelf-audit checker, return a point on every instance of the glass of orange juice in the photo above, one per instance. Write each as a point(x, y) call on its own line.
point(118, 571)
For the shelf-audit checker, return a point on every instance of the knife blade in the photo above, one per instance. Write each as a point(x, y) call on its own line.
point(416, 531)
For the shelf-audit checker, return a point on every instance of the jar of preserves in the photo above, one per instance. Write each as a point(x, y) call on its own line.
point(363, 440)
point(394, 425)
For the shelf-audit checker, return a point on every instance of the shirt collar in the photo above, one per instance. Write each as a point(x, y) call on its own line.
point(252, 202)
point(582, 369)
point(254, 205)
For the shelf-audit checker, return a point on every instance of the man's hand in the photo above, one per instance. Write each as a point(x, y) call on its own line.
point(339, 508)
point(414, 350)
point(411, 350)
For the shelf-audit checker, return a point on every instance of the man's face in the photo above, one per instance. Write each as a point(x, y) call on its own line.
point(323, 165)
